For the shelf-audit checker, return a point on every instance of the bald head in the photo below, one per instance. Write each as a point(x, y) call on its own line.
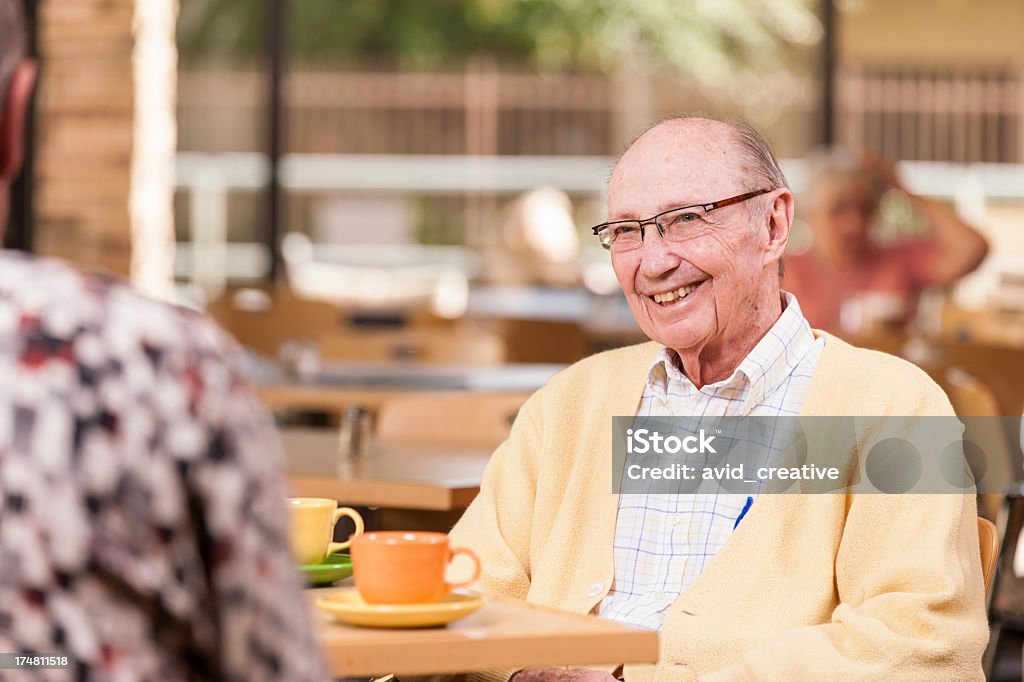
point(751, 152)
point(12, 41)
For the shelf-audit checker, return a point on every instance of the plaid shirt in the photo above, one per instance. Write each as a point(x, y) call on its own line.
point(663, 542)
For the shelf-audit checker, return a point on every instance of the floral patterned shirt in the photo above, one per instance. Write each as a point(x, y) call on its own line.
point(142, 517)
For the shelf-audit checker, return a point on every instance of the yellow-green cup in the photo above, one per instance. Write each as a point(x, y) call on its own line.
point(312, 521)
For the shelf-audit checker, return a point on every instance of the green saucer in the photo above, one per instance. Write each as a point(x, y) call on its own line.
point(334, 568)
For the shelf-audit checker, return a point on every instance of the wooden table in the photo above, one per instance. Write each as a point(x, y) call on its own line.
point(313, 398)
point(504, 633)
point(399, 478)
point(336, 386)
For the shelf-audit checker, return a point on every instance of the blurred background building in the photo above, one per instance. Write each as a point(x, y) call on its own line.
point(407, 157)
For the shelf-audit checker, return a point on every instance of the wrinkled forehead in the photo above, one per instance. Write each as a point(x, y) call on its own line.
point(677, 163)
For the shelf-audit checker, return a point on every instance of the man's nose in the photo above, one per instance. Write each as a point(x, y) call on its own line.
point(656, 257)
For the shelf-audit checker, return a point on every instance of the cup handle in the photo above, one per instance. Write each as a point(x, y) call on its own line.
point(356, 519)
point(476, 570)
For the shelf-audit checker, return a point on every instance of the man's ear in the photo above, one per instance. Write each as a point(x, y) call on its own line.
point(778, 221)
point(12, 125)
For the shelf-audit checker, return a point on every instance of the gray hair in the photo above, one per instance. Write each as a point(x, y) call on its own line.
point(12, 42)
point(758, 155)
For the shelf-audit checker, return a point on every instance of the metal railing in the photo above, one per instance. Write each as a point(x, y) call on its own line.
point(934, 114)
point(956, 114)
point(207, 258)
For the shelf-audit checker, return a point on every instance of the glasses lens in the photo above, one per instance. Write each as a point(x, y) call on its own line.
point(621, 236)
point(680, 225)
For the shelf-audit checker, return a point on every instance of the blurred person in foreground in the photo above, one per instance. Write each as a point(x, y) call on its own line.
point(847, 281)
point(769, 587)
point(142, 518)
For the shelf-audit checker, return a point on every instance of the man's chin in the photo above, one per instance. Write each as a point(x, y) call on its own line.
point(680, 340)
point(684, 333)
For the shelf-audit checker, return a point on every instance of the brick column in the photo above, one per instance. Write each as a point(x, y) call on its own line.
point(104, 156)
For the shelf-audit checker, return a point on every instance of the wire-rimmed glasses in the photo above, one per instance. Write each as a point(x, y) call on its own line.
point(673, 225)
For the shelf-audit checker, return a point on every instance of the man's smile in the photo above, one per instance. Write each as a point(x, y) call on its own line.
point(674, 296)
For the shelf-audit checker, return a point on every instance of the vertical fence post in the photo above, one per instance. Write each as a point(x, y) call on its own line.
point(828, 72)
point(1016, 105)
point(275, 34)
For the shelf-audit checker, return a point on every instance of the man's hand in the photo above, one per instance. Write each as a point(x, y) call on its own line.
point(561, 675)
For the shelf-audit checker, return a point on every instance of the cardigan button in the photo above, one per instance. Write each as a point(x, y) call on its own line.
point(595, 589)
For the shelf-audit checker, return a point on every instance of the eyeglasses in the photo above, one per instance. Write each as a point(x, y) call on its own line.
point(674, 225)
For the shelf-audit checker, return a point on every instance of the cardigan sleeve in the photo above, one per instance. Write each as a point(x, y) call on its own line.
point(911, 600)
point(497, 525)
point(907, 577)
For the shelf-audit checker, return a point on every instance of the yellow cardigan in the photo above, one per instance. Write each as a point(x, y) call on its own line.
point(809, 587)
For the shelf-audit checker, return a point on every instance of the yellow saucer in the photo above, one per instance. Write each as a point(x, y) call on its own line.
point(349, 607)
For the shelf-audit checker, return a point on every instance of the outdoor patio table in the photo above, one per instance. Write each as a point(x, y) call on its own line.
point(503, 633)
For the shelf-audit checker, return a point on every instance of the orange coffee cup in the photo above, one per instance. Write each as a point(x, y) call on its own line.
point(405, 567)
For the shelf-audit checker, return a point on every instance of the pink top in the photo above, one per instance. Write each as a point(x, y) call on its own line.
point(885, 286)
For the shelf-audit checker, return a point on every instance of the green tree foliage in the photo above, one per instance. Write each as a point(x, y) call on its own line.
point(704, 38)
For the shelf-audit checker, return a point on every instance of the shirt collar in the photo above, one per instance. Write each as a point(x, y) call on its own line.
point(764, 369)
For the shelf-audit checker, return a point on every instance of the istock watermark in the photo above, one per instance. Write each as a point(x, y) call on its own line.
point(763, 455)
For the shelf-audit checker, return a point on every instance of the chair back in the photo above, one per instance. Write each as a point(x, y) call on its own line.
point(263, 320)
point(459, 418)
point(544, 341)
point(988, 538)
point(1001, 370)
point(970, 396)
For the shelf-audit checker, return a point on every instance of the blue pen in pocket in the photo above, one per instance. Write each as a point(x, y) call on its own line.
point(746, 508)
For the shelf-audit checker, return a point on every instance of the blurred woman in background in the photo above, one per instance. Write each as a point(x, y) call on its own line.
point(847, 281)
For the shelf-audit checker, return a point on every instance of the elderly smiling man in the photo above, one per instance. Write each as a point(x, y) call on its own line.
point(808, 586)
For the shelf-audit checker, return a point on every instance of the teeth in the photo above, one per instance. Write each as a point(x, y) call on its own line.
point(670, 296)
